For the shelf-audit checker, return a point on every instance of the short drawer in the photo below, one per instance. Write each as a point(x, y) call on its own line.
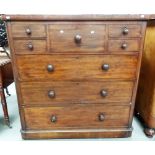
point(29, 46)
point(55, 93)
point(125, 30)
point(76, 67)
point(124, 45)
point(76, 116)
point(28, 29)
point(77, 37)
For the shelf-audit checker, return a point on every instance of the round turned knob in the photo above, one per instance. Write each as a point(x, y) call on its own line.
point(105, 67)
point(30, 46)
point(101, 117)
point(104, 93)
point(28, 31)
point(53, 118)
point(51, 94)
point(50, 68)
point(125, 31)
point(78, 38)
point(124, 46)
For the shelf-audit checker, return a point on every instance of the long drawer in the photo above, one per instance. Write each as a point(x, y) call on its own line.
point(69, 67)
point(76, 116)
point(54, 93)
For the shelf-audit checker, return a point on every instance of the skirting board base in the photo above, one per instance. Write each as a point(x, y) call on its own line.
point(78, 133)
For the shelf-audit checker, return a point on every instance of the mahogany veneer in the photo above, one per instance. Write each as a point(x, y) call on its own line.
point(76, 76)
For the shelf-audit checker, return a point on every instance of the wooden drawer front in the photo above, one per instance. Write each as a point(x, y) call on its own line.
point(125, 30)
point(29, 46)
point(67, 67)
point(28, 29)
point(64, 37)
point(76, 116)
point(124, 45)
point(76, 92)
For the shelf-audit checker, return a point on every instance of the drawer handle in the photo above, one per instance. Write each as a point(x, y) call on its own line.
point(51, 94)
point(30, 46)
point(78, 39)
point(53, 118)
point(105, 67)
point(50, 68)
point(124, 46)
point(125, 31)
point(101, 117)
point(104, 93)
point(28, 31)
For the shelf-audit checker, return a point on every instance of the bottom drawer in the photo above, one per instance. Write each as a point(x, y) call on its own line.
point(76, 116)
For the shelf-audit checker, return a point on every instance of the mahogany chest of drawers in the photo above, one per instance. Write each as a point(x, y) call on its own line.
point(76, 76)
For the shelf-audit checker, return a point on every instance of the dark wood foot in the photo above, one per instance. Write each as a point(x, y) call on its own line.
point(4, 106)
point(7, 92)
point(7, 122)
point(149, 132)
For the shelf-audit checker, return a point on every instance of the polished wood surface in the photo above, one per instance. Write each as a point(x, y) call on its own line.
point(7, 74)
point(62, 37)
point(76, 67)
point(30, 46)
point(83, 17)
point(145, 103)
point(76, 133)
point(68, 92)
point(6, 78)
point(124, 45)
point(20, 29)
point(77, 81)
point(76, 116)
point(129, 30)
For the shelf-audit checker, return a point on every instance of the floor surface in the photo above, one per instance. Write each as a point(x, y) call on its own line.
point(13, 134)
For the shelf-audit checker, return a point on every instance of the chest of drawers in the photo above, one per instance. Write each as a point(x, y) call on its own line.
point(76, 76)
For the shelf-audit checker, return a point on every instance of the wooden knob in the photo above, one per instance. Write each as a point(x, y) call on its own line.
point(78, 38)
point(50, 68)
point(125, 31)
point(53, 118)
point(51, 94)
point(101, 117)
point(104, 93)
point(28, 31)
point(124, 46)
point(105, 67)
point(30, 46)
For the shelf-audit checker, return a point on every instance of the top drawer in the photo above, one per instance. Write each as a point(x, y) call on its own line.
point(77, 36)
point(125, 30)
point(28, 30)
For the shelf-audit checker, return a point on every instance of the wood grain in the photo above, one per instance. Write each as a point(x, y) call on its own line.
point(116, 45)
point(77, 67)
point(62, 37)
point(19, 29)
point(36, 93)
point(116, 30)
point(77, 116)
point(145, 101)
point(83, 17)
point(77, 133)
point(78, 75)
point(21, 46)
